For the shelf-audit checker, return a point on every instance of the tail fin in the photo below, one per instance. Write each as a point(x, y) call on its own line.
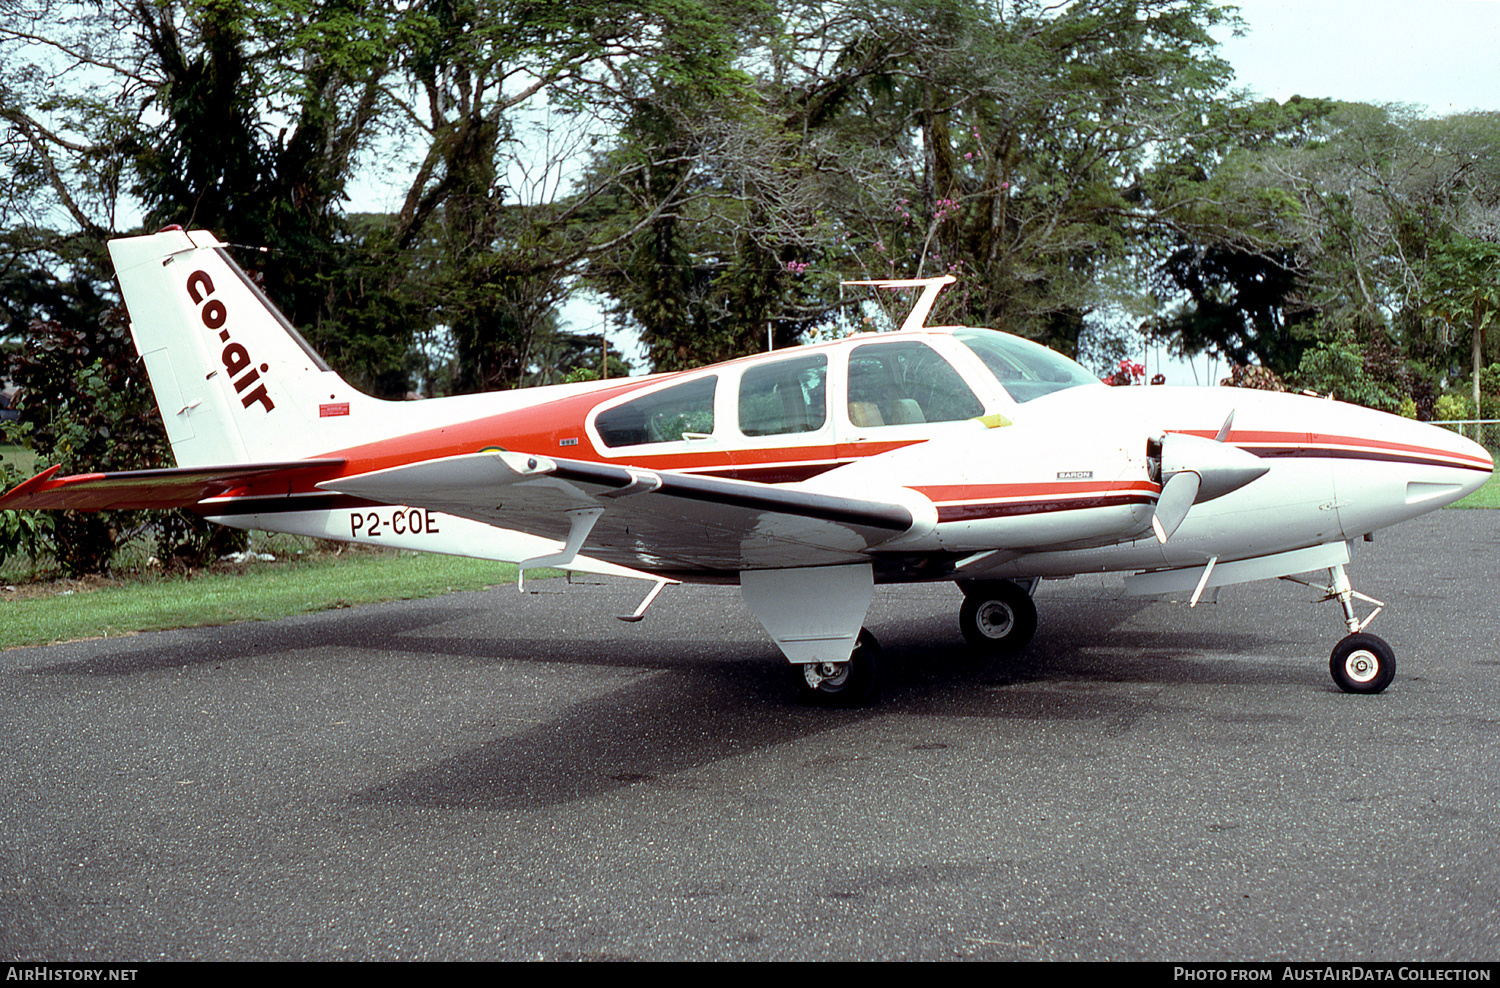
point(234, 381)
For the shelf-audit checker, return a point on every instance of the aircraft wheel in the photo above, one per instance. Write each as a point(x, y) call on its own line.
point(1362, 663)
point(997, 617)
point(843, 684)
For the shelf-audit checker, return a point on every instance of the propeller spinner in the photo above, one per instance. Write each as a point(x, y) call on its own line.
point(1194, 470)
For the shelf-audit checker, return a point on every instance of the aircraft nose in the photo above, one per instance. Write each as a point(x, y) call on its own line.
point(1476, 462)
point(1388, 469)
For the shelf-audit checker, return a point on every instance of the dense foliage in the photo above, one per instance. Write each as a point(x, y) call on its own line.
point(423, 185)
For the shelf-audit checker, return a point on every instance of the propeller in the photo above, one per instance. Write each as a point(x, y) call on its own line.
point(1194, 470)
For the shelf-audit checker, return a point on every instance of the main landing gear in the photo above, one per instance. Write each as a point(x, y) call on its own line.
point(998, 617)
point(843, 684)
point(1360, 663)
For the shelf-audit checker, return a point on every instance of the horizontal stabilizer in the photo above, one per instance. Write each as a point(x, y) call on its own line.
point(178, 487)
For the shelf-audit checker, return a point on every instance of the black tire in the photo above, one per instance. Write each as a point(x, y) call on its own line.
point(998, 617)
point(1362, 663)
point(854, 685)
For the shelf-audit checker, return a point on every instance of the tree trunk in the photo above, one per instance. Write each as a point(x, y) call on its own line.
point(1478, 355)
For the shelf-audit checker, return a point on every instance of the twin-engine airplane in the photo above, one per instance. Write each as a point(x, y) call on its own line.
point(806, 475)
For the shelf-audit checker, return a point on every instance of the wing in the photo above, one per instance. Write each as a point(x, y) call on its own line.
point(180, 487)
point(658, 521)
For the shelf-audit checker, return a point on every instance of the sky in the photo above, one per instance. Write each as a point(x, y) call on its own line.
point(1440, 54)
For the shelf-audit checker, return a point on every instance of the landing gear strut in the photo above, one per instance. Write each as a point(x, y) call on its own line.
point(998, 617)
point(843, 684)
point(1360, 663)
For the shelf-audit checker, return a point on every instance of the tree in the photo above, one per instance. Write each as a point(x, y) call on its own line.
point(510, 98)
point(1335, 220)
point(1223, 243)
point(703, 192)
point(1037, 125)
point(1242, 304)
point(191, 112)
point(1003, 142)
point(1462, 282)
point(244, 119)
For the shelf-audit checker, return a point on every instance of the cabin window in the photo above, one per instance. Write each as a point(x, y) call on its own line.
point(785, 397)
point(671, 415)
point(906, 383)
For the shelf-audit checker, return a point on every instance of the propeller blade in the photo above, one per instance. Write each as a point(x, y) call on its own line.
point(1224, 429)
point(1177, 497)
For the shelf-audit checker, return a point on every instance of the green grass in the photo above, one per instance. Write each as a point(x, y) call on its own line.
point(257, 592)
point(1487, 496)
point(24, 460)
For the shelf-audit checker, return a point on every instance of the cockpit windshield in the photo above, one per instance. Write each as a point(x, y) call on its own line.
point(1025, 369)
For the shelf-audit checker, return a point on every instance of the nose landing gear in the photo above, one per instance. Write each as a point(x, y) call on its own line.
point(1360, 663)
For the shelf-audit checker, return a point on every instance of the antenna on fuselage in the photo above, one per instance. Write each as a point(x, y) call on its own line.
point(917, 318)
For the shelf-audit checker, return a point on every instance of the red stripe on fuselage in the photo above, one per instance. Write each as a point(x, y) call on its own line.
point(1317, 444)
point(544, 429)
point(971, 502)
point(946, 493)
point(1009, 509)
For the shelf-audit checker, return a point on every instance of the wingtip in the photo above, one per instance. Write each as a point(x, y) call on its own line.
point(28, 487)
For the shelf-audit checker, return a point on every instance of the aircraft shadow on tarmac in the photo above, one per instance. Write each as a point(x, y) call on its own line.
point(655, 730)
point(712, 700)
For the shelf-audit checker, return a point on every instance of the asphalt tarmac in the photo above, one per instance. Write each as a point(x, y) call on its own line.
point(502, 776)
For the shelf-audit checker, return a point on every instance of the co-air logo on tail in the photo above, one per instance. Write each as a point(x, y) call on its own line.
point(235, 357)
